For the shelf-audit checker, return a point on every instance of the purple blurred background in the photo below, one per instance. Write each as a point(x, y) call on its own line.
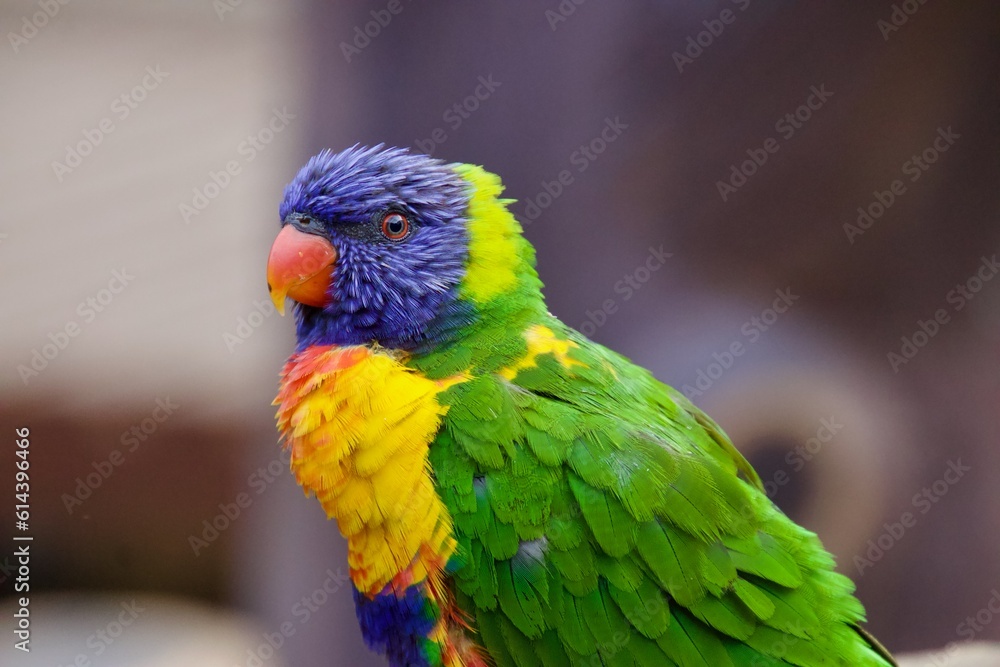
point(851, 354)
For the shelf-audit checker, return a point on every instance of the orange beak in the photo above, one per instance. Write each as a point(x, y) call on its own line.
point(300, 267)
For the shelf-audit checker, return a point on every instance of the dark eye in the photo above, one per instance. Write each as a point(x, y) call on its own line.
point(311, 224)
point(395, 226)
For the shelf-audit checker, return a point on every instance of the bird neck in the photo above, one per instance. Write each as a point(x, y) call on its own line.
point(499, 296)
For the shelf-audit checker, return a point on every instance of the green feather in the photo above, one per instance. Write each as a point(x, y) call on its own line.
point(646, 653)
point(574, 630)
point(550, 450)
point(565, 529)
point(690, 644)
point(727, 615)
point(791, 649)
point(622, 573)
point(485, 594)
point(520, 602)
point(647, 607)
point(755, 600)
point(793, 611)
point(551, 651)
point(493, 638)
point(718, 569)
point(673, 559)
point(577, 567)
point(762, 556)
point(520, 647)
point(601, 518)
point(610, 524)
point(501, 540)
point(604, 618)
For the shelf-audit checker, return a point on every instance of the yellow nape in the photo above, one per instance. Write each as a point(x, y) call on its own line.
point(359, 424)
point(493, 237)
point(542, 340)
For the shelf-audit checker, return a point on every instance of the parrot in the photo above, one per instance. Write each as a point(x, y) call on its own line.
point(512, 493)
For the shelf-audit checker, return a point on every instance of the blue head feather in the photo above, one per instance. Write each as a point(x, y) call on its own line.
point(401, 294)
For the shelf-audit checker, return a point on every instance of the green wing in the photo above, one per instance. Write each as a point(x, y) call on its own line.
point(602, 519)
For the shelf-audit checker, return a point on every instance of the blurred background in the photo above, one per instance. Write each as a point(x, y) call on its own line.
point(788, 210)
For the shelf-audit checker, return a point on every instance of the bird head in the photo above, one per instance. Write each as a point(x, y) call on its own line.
point(378, 245)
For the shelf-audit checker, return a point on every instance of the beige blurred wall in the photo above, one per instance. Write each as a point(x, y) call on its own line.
point(185, 319)
point(199, 83)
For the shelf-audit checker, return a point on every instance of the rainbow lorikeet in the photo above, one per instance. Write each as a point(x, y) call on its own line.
point(511, 492)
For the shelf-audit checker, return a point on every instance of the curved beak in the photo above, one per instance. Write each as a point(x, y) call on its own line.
point(300, 267)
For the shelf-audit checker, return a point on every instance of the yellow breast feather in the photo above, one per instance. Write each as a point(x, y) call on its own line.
point(359, 424)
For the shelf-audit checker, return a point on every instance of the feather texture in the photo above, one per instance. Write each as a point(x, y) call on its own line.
point(512, 493)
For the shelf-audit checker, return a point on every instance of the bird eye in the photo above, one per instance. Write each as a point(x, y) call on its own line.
point(395, 226)
point(311, 223)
